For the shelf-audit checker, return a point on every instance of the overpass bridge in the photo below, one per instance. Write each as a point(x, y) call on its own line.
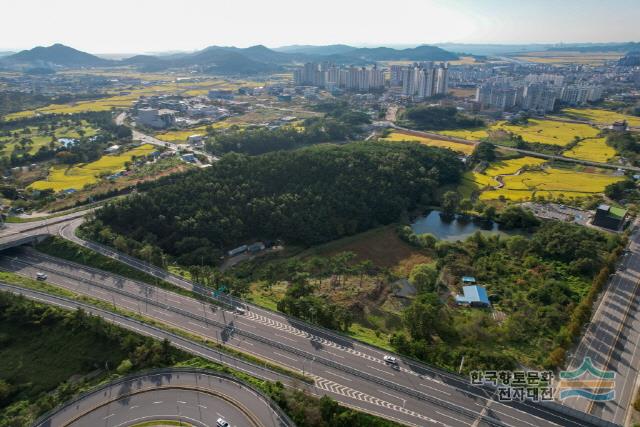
point(17, 234)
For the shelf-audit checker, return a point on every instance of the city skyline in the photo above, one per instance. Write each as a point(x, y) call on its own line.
point(126, 27)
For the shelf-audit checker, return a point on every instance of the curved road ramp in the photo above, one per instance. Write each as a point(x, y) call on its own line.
point(189, 396)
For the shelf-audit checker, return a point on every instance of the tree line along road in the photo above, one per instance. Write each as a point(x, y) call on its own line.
point(351, 372)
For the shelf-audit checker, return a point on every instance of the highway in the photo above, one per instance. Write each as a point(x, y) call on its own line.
point(352, 373)
point(612, 338)
point(189, 395)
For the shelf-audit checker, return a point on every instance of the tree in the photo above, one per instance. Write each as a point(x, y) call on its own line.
point(485, 151)
point(450, 202)
point(422, 318)
point(517, 246)
point(124, 367)
point(5, 390)
point(424, 277)
point(466, 205)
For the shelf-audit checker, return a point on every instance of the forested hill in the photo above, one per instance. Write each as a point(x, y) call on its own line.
point(304, 197)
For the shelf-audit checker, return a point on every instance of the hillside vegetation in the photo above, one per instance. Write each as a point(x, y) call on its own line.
point(303, 197)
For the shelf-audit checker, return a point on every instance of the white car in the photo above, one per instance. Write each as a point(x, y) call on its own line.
point(390, 359)
point(240, 310)
point(41, 276)
point(222, 423)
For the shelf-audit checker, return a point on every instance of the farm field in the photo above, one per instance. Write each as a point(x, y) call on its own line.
point(487, 178)
point(180, 136)
point(41, 138)
point(124, 99)
point(568, 57)
point(550, 183)
point(511, 166)
point(64, 177)
point(548, 131)
point(468, 134)
point(600, 116)
point(592, 149)
point(455, 146)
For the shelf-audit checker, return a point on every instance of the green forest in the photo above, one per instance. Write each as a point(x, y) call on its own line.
point(302, 197)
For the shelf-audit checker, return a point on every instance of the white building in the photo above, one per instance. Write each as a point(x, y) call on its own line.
point(154, 118)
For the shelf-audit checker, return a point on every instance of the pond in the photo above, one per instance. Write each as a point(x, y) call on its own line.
point(457, 228)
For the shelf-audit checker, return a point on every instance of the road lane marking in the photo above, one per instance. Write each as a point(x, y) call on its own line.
point(433, 388)
point(134, 407)
point(197, 324)
point(155, 403)
point(286, 357)
point(380, 370)
point(333, 354)
point(453, 418)
point(393, 395)
point(283, 337)
point(108, 416)
point(245, 324)
point(339, 376)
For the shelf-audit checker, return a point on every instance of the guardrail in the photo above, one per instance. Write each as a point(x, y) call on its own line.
point(284, 418)
point(327, 362)
point(234, 301)
point(109, 315)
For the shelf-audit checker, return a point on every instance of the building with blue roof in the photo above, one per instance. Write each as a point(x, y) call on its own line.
point(468, 279)
point(475, 296)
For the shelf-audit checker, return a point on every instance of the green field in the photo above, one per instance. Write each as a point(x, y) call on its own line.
point(63, 177)
point(42, 138)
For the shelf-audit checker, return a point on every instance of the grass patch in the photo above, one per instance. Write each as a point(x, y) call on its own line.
point(382, 246)
point(33, 362)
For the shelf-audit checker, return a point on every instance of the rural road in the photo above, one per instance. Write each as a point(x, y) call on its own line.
point(350, 372)
point(189, 395)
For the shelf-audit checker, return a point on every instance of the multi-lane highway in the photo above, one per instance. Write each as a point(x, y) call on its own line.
point(612, 338)
point(192, 396)
point(352, 373)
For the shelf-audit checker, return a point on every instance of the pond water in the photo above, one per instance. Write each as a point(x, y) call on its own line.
point(457, 228)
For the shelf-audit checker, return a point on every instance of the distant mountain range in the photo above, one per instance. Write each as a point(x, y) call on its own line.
point(222, 60)
point(56, 54)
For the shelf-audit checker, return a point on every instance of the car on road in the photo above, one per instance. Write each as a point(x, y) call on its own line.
point(41, 276)
point(390, 360)
point(222, 423)
point(240, 310)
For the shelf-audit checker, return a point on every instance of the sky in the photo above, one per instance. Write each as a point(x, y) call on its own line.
point(136, 26)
